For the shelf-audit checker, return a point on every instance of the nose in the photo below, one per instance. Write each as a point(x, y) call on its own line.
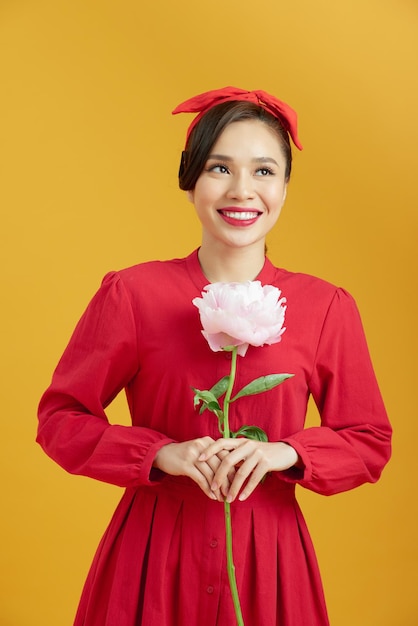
point(241, 187)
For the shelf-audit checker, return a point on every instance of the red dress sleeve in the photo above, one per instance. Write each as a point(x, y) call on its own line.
point(353, 443)
point(99, 361)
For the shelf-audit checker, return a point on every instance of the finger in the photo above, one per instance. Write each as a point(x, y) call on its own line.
point(202, 482)
point(251, 466)
point(201, 472)
point(213, 464)
point(232, 461)
point(202, 475)
point(255, 479)
point(221, 445)
point(243, 473)
point(230, 476)
point(223, 485)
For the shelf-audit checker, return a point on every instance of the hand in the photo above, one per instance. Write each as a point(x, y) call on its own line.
point(252, 460)
point(182, 459)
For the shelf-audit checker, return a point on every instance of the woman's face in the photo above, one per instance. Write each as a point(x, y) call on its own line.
point(241, 190)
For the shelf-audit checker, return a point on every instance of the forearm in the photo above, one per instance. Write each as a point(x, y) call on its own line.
point(88, 445)
point(336, 461)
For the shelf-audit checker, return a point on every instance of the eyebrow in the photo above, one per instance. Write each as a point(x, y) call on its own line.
point(228, 159)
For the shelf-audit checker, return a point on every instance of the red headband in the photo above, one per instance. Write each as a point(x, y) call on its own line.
point(205, 101)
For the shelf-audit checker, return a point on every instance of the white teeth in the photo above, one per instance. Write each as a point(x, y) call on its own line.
point(241, 215)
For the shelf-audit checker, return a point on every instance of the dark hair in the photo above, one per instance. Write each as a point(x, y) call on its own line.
point(209, 128)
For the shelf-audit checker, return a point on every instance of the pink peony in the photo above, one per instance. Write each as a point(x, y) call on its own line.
point(241, 314)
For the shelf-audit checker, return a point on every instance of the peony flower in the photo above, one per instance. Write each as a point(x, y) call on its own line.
point(235, 316)
point(241, 314)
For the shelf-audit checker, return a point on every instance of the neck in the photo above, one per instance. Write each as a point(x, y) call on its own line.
point(234, 265)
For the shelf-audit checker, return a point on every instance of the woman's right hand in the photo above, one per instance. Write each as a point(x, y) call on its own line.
point(182, 459)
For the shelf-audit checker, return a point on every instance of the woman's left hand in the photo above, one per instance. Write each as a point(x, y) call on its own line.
point(250, 460)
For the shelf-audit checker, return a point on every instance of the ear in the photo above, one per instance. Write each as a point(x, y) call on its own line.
point(284, 194)
point(190, 196)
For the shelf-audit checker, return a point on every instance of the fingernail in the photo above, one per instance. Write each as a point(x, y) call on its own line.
point(212, 496)
point(214, 487)
point(242, 496)
point(201, 457)
point(229, 498)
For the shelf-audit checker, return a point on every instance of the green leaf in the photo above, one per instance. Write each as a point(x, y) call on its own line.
point(265, 383)
point(251, 432)
point(208, 401)
point(215, 408)
point(217, 391)
point(220, 387)
point(203, 396)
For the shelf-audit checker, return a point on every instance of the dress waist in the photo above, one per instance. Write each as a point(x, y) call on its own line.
point(271, 490)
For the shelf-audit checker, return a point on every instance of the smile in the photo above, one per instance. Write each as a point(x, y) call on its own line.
point(240, 215)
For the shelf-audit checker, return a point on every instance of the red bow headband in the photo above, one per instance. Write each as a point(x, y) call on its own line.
point(205, 101)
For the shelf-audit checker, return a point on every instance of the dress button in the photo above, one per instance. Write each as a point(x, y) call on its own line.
point(213, 543)
point(210, 589)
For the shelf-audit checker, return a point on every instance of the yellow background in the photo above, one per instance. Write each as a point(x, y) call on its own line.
point(89, 155)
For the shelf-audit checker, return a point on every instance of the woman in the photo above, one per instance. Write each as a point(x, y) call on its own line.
point(161, 561)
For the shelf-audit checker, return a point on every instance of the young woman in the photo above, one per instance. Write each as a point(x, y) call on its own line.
point(162, 559)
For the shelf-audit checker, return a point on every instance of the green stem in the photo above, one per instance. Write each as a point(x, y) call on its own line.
point(231, 566)
point(227, 506)
point(228, 394)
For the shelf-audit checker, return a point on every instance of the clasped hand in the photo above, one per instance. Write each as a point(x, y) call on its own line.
point(225, 468)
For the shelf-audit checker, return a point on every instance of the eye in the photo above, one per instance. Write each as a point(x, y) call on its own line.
point(264, 171)
point(218, 168)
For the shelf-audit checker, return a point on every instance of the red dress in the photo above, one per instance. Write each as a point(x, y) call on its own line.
point(161, 561)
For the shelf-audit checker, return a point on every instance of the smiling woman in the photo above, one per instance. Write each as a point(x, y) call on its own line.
point(238, 198)
point(162, 559)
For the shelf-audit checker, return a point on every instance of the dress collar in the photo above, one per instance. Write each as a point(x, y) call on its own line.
point(265, 276)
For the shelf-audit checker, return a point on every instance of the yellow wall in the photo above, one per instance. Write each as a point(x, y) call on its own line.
point(89, 155)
